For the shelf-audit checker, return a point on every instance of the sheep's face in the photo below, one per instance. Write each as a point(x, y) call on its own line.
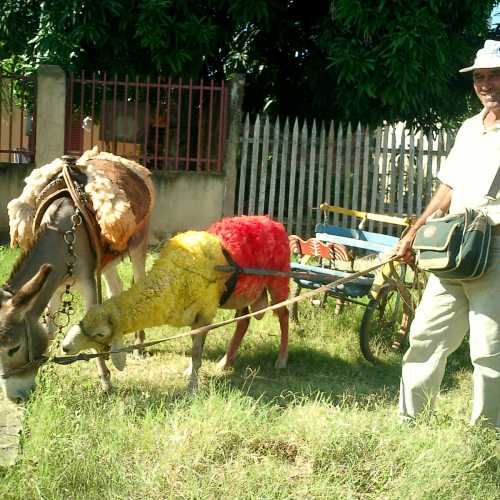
point(77, 339)
point(99, 337)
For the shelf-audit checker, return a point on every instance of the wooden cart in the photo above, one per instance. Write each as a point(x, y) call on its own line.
point(389, 296)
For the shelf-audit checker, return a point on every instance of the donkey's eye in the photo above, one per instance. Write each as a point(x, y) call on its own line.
point(13, 351)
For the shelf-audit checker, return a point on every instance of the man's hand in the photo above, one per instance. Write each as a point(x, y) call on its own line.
point(440, 201)
point(403, 249)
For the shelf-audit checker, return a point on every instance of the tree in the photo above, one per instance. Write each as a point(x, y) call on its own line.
point(403, 57)
point(344, 59)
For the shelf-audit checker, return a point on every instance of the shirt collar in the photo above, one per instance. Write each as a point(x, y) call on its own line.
point(492, 128)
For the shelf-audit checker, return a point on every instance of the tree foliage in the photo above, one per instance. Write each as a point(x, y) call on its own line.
point(344, 59)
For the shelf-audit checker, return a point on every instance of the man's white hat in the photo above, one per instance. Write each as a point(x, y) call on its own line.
point(487, 57)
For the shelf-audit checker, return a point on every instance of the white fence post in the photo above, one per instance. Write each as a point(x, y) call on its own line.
point(388, 170)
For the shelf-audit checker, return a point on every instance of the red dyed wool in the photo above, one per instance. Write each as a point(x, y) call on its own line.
point(256, 241)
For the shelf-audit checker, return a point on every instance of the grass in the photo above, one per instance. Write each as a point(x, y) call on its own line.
point(325, 427)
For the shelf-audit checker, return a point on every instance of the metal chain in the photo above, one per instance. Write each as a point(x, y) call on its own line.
point(63, 316)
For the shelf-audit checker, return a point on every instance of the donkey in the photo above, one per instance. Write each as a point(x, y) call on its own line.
point(39, 279)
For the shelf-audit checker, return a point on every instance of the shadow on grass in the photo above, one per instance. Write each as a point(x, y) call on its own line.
point(311, 375)
point(312, 371)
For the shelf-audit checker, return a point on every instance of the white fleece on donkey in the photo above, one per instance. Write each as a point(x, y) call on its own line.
point(111, 205)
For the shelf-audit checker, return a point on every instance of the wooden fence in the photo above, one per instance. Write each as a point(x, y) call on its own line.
point(287, 169)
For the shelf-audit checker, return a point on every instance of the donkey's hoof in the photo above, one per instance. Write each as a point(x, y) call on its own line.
point(107, 386)
point(193, 386)
point(281, 363)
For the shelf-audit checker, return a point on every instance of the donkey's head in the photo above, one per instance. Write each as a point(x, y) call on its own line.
point(23, 340)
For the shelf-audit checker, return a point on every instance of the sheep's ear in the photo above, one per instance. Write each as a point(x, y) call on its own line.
point(119, 359)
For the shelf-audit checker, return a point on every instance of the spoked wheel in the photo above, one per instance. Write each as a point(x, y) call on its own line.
point(384, 325)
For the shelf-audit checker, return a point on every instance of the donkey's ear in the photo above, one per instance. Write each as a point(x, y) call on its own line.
point(23, 299)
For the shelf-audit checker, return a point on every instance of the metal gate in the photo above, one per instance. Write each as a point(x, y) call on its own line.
point(163, 124)
point(17, 118)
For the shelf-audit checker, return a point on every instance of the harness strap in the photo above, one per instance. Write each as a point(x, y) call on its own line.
point(35, 363)
point(46, 201)
point(231, 283)
point(66, 188)
point(495, 187)
point(90, 222)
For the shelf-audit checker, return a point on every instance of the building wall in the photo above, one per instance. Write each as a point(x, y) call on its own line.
point(11, 185)
point(185, 201)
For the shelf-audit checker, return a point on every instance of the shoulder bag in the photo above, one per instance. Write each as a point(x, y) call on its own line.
point(455, 247)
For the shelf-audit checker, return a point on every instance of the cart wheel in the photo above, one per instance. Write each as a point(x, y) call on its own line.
point(383, 327)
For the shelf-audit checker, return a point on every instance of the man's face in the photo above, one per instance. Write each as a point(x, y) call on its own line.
point(487, 87)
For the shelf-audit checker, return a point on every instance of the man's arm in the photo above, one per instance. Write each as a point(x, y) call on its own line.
point(440, 201)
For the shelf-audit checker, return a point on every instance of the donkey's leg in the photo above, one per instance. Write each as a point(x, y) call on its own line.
point(138, 258)
point(241, 328)
point(113, 280)
point(89, 293)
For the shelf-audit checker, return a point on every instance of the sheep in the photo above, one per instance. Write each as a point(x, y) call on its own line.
point(184, 288)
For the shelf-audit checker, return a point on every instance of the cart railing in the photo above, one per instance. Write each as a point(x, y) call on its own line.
point(367, 216)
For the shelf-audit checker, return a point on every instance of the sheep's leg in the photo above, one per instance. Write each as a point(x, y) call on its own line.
point(339, 306)
point(138, 258)
point(283, 317)
point(198, 343)
point(88, 290)
point(279, 293)
point(241, 328)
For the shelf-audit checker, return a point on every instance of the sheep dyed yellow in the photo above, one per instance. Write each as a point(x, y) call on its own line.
point(168, 294)
point(184, 289)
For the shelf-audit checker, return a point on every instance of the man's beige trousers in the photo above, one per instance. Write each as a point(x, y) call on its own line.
point(448, 311)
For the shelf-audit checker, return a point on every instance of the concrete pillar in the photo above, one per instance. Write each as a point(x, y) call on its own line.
point(50, 114)
point(236, 92)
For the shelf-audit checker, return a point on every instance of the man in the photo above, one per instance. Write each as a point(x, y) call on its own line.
point(450, 309)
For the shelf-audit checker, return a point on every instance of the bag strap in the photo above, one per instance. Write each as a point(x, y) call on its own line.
point(495, 187)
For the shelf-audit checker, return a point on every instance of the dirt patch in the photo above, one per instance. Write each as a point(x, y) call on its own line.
point(10, 431)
